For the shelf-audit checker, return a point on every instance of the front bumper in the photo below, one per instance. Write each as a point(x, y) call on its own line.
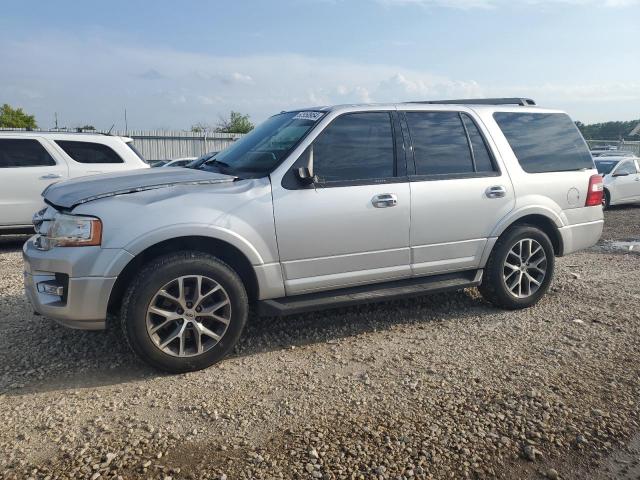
point(86, 295)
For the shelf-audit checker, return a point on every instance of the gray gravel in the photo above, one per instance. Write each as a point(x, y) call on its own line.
point(439, 387)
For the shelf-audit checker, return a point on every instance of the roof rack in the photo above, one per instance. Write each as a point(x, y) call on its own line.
point(524, 102)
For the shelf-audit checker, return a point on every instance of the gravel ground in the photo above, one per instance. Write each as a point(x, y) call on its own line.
point(439, 387)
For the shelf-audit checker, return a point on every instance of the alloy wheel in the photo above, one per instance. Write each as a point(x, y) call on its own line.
point(525, 268)
point(188, 316)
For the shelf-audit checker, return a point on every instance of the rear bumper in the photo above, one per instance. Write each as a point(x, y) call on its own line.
point(580, 236)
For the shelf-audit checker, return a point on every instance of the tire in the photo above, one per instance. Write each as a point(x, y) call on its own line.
point(606, 199)
point(161, 302)
point(498, 277)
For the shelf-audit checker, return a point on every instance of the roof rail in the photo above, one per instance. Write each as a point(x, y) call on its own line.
point(524, 102)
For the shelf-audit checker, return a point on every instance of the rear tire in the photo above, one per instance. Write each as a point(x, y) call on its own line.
point(520, 268)
point(184, 311)
point(606, 199)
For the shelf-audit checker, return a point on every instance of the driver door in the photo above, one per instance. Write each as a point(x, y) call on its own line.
point(352, 226)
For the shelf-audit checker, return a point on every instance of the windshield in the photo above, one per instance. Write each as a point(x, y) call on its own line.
point(605, 166)
point(261, 150)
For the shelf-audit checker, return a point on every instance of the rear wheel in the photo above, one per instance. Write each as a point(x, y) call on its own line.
point(184, 311)
point(520, 268)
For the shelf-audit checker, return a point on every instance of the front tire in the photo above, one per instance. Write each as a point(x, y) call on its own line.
point(520, 268)
point(184, 311)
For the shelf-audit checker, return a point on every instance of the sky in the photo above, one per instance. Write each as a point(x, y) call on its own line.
point(173, 64)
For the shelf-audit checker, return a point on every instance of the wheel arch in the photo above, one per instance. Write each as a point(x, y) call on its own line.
point(222, 249)
point(545, 223)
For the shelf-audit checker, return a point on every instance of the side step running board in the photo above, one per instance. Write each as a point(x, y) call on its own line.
point(411, 287)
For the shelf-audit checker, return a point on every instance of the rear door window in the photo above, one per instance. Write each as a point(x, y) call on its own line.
point(356, 146)
point(544, 142)
point(448, 144)
point(481, 155)
point(439, 143)
point(23, 152)
point(89, 152)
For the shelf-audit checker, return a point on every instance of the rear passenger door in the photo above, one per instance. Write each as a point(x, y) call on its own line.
point(458, 192)
point(26, 169)
point(352, 226)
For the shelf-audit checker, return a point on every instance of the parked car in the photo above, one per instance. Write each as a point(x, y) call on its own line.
point(158, 163)
point(318, 208)
point(31, 161)
point(179, 162)
point(610, 153)
point(621, 174)
point(198, 162)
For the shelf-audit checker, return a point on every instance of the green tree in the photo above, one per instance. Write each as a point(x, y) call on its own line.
point(236, 123)
point(607, 130)
point(16, 118)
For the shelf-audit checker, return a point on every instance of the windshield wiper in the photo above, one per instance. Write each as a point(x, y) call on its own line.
point(214, 161)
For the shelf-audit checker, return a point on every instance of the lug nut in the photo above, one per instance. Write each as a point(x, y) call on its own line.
point(189, 305)
point(198, 309)
point(179, 311)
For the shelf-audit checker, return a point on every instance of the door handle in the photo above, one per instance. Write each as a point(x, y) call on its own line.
point(496, 191)
point(385, 200)
point(50, 176)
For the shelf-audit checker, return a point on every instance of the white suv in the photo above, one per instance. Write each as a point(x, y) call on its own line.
point(318, 208)
point(31, 161)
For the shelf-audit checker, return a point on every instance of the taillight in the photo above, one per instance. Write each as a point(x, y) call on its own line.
point(594, 194)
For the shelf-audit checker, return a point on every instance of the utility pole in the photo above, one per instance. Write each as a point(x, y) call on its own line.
point(56, 117)
point(126, 125)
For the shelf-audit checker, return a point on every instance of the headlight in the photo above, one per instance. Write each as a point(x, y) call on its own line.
point(73, 231)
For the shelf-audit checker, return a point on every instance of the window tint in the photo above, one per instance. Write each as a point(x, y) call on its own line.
point(481, 153)
point(545, 142)
point(626, 167)
point(88, 152)
point(439, 143)
point(355, 146)
point(23, 153)
point(605, 166)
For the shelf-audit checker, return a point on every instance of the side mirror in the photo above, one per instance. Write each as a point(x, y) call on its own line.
point(305, 173)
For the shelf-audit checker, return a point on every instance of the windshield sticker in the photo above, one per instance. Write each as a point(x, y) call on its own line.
point(313, 116)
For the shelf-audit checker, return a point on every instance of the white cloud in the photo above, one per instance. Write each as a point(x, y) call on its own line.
point(94, 81)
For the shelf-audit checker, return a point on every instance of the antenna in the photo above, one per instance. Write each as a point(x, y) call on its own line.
point(109, 132)
point(126, 125)
point(55, 114)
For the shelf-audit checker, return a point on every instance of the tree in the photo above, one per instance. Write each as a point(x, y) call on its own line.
point(237, 123)
point(86, 127)
point(16, 118)
point(202, 127)
point(607, 130)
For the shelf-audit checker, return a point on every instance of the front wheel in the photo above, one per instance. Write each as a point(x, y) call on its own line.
point(520, 268)
point(184, 311)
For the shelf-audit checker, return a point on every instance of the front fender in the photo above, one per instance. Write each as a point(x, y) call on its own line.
point(172, 232)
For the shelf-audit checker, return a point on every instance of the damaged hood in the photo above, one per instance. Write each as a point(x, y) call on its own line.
point(71, 193)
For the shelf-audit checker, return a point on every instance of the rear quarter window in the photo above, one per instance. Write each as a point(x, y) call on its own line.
point(544, 142)
point(89, 152)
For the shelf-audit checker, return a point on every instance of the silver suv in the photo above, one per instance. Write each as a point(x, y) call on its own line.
point(320, 207)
